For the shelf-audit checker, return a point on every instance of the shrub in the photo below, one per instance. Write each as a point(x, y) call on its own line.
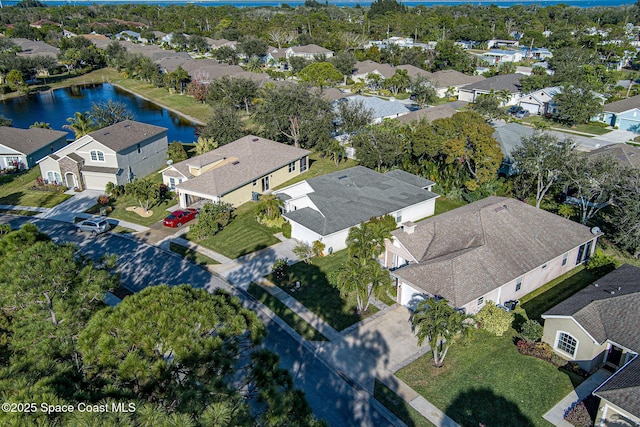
point(286, 229)
point(601, 264)
point(578, 415)
point(303, 251)
point(280, 270)
point(212, 218)
point(163, 191)
point(103, 200)
point(531, 331)
point(318, 248)
point(494, 319)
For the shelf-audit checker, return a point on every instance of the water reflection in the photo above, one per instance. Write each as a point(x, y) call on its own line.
point(55, 106)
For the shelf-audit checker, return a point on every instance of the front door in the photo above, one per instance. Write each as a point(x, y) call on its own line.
point(614, 356)
point(70, 180)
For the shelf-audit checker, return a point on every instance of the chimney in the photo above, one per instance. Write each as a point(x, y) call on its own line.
point(408, 227)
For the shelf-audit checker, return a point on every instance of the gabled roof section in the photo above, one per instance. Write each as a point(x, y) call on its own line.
point(469, 251)
point(27, 141)
point(447, 78)
point(609, 308)
point(368, 67)
point(510, 82)
point(348, 197)
point(410, 178)
point(126, 134)
point(623, 105)
point(623, 388)
point(310, 48)
point(380, 108)
point(241, 161)
point(430, 114)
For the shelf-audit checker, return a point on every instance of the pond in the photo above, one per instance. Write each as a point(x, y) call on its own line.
point(56, 106)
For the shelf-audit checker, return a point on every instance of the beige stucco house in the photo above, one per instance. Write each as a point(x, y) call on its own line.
point(117, 153)
point(496, 249)
point(600, 326)
point(236, 172)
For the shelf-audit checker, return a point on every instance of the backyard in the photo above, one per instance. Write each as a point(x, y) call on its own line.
point(242, 236)
point(17, 189)
point(318, 295)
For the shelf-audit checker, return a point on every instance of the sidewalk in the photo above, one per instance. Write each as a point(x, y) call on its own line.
point(556, 414)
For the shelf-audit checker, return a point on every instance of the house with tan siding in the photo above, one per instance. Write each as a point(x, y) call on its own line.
point(599, 326)
point(118, 153)
point(235, 173)
point(496, 249)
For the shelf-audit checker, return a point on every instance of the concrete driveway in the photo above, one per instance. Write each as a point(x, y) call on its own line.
point(617, 136)
point(79, 203)
point(375, 347)
point(157, 232)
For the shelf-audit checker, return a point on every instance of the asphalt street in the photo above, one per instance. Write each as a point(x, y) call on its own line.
point(331, 397)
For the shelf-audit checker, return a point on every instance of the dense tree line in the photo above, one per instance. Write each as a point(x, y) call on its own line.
point(179, 355)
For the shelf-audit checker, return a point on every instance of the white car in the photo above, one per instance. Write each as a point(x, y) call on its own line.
point(94, 226)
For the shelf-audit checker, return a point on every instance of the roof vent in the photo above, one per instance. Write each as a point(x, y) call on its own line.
point(619, 288)
point(127, 125)
point(596, 285)
point(106, 133)
point(255, 139)
point(342, 177)
point(237, 162)
point(409, 227)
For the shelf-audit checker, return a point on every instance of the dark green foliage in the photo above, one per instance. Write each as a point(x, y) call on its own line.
point(224, 126)
point(286, 229)
point(176, 152)
point(280, 270)
point(213, 218)
point(600, 264)
point(108, 113)
point(381, 7)
point(531, 330)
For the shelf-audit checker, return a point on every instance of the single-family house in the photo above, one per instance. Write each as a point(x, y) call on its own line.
point(448, 82)
point(540, 102)
point(496, 249)
point(510, 83)
point(620, 397)
point(495, 56)
point(309, 52)
point(364, 68)
point(502, 43)
point(600, 324)
point(538, 53)
point(443, 111)
point(32, 48)
point(326, 207)
point(235, 173)
point(117, 153)
point(627, 156)
point(128, 35)
point(380, 108)
point(22, 148)
point(623, 114)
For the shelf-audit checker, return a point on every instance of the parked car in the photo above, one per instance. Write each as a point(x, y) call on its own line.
point(522, 114)
point(179, 217)
point(514, 109)
point(94, 226)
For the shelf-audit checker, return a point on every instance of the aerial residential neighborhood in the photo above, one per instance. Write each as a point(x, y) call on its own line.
point(319, 214)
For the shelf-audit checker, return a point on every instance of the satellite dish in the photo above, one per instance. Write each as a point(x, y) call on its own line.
point(595, 230)
point(169, 162)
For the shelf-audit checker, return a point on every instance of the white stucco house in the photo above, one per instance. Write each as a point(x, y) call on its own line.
point(326, 207)
point(496, 249)
point(309, 51)
point(117, 153)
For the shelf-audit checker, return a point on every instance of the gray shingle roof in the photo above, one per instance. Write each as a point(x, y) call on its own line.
point(368, 67)
point(623, 105)
point(247, 159)
point(469, 251)
point(126, 134)
point(610, 310)
point(510, 82)
point(446, 78)
point(430, 114)
point(28, 141)
point(379, 107)
point(348, 197)
point(626, 155)
point(410, 178)
point(623, 388)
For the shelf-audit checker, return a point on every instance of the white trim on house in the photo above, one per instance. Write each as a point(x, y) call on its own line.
point(574, 321)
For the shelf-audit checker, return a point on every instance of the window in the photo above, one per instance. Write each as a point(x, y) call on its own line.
point(564, 259)
point(566, 343)
point(544, 266)
point(303, 164)
point(97, 156)
point(139, 149)
point(399, 217)
point(584, 252)
point(255, 183)
point(480, 300)
point(292, 167)
point(518, 284)
point(265, 184)
point(54, 177)
point(172, 183)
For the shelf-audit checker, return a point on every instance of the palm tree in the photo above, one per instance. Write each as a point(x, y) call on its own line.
point(438, 323)
point(336, 151)
point(269, 206)
point(81, 123)
point(254, 64)
point(41, 125)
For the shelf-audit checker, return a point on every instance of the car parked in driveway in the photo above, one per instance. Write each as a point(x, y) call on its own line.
point(179, 217)
point(522, 114)
point(94, 226)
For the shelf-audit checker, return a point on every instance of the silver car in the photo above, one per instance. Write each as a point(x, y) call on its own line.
point(94, 226)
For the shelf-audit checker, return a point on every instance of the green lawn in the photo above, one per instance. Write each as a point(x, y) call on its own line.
point(399, 407)
point(285, 313)
point(443, 205)
point(191, 255)
point(120, 211)
point(15, 189)
point(590, 128)
point(317, 294)
point(319, 166)
point(485, 380)
point(556, 291)
point(243, 236)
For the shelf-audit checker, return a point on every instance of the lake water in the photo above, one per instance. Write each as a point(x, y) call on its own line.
point(56, 106)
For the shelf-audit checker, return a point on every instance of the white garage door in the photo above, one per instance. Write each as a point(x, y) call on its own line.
point(97, 181)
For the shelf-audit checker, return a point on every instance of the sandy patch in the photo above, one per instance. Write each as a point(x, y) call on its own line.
point(140, 211)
